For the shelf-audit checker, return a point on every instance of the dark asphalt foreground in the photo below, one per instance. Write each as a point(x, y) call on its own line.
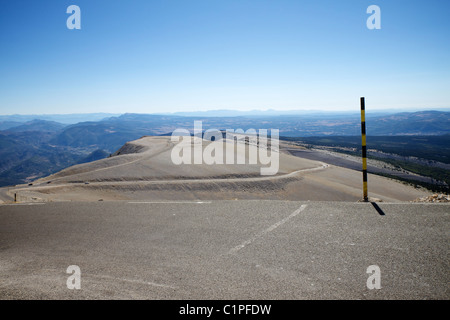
point(224, 250)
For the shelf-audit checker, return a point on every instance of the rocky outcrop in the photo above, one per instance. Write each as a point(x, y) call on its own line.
point(434, 198)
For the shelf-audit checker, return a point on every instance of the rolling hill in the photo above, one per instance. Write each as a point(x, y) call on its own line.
point(144, 170)
point(38, 147)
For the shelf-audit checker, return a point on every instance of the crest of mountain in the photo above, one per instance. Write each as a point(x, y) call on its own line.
point(110, 134)
point(38, 125)
point(416, 123)
point(61, 118)
point(5, 125)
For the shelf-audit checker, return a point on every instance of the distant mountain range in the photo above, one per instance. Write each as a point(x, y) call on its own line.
point(61, 118)
point(38, 125)
point(272, 112)
point(31, 148)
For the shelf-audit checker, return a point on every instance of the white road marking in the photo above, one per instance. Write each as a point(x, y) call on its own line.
point(22, 204)
point(269, 229)
point(169, 202)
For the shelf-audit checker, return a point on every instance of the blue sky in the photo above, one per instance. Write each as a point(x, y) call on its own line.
point(155, 56)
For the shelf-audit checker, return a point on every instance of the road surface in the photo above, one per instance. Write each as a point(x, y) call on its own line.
point(224, 250)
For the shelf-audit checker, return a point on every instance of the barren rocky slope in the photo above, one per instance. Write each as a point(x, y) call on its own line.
point(143, 170)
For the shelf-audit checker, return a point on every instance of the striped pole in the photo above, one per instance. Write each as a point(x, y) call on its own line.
point(364, 148)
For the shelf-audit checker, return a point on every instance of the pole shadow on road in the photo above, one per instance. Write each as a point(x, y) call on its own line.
point(380, 212)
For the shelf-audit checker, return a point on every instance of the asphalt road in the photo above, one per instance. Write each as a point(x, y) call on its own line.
point(224, 250)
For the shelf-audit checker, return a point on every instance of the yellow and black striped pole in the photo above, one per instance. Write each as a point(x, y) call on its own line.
point(364, 148)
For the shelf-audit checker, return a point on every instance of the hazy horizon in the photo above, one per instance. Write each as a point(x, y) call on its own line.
point(250, 111)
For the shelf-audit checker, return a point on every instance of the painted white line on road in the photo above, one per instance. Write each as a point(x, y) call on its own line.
point(169, 202)
point(269, 229)
point(22, 204)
